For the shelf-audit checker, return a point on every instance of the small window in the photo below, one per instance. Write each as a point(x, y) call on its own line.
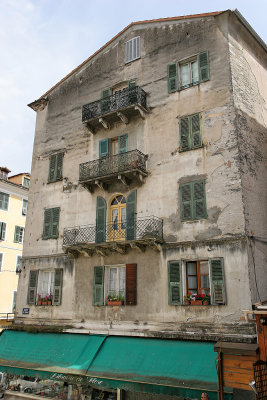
point(132, 49)
point(1, 261)
point(26, 182)
point(193, 201)
point(45, 284)
point(197, 277)
point(55, 167)
point(24, 206)
point(190, 72)
point(19, 234)
point(115, 282)
point(2, 231)
point(51, 223)
point(203, 279)
point(4, 200)
point(18, 264)
point(190, 132)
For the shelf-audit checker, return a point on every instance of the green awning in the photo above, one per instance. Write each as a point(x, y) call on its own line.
point(172, 367)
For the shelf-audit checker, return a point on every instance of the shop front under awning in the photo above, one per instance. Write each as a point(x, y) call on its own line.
point(171, 367)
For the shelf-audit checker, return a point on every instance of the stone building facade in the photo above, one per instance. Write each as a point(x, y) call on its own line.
point(147, 184)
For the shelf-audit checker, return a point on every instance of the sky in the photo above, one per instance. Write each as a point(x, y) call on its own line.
point(41, 41)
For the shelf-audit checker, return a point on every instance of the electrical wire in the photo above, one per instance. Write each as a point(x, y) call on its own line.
point(254, 267)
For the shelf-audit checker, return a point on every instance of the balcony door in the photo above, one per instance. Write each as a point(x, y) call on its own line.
point(117, 225)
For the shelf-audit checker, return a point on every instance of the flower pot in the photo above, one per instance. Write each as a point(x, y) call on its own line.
point(39, 302)
point(206, 302)
point(114, 303)
point(44, 302)
point(49, 302)
point(187, 302)
point(196, 303)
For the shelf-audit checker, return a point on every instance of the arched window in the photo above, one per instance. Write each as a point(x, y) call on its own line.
point(117, 224)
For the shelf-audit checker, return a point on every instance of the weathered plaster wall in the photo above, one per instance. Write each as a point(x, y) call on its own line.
point(249, 79)
point(59, 128)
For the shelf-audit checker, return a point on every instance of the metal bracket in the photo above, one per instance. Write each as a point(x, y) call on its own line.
point(104, 123)
point(123, 117)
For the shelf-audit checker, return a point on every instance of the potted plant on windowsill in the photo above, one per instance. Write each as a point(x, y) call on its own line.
point(44, 301)
point(187, 299)
point(39, 300)
point(114, 299)
point(206, 300)
point(49, 299)
point(196, 299)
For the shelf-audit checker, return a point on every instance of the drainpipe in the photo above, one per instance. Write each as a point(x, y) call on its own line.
point(220, 375)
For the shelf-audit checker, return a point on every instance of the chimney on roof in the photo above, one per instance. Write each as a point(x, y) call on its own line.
point(4, 171)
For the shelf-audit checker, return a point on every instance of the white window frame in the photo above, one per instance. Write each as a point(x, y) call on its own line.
point(18, 255)
point(7, 194)
point(2, 262)
point(51, 283)
point(132, 46)
point(25, 179)
point(4, 238)
point(189, 61)
point(22, 236)
point(24, 208)
point(107, 290)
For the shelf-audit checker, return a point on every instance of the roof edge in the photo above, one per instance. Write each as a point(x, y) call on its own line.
point(41, 101)
point(250, 29)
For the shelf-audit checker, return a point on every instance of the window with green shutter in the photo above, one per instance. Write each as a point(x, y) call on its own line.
point(101, 209)
point(190, 132)
point(193, 201)
point(18, 234)
point(191, 72)
point(57, 287)
point(105, 101)
point(131, 216)
point(98, 289)
point(175, 282)
point(55, 167)
point(51, 223)
point(32, 288)
point(2, 230)
point(4, 200)
point(172, 77)
point(217, 282)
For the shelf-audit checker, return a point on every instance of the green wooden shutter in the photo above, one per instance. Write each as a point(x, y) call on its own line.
point(2, 230)
point(218, 295)
point(175, 282)
point(105, 101)
point(47, 223)
point(186, 201)
point(195, 131)
point(199, 200)
point(101, 208)
point(55, 212)
point(103, 148)
point(122, 143)
point(98, 289)
point(24, 206)
point(16, 234)
point(184, 134)
point(203, 66)
point(57, 287)
point(59, 166)
point(1, 261)
point(52, 168)
point(131, 216)
point(32, 289)
point(172, 77)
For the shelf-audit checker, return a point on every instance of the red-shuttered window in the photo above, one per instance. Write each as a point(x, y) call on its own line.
point(115, 283)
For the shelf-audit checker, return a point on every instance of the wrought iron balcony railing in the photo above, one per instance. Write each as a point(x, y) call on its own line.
point(120, 163)
point(116, 102)
point(139, 229)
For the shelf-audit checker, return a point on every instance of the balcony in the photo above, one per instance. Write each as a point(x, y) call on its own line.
point(121, 105)
point(124, 167)
point(117, 237)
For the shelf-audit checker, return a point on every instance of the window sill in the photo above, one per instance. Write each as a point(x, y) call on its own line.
point(193, 148)
point(58, 180)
